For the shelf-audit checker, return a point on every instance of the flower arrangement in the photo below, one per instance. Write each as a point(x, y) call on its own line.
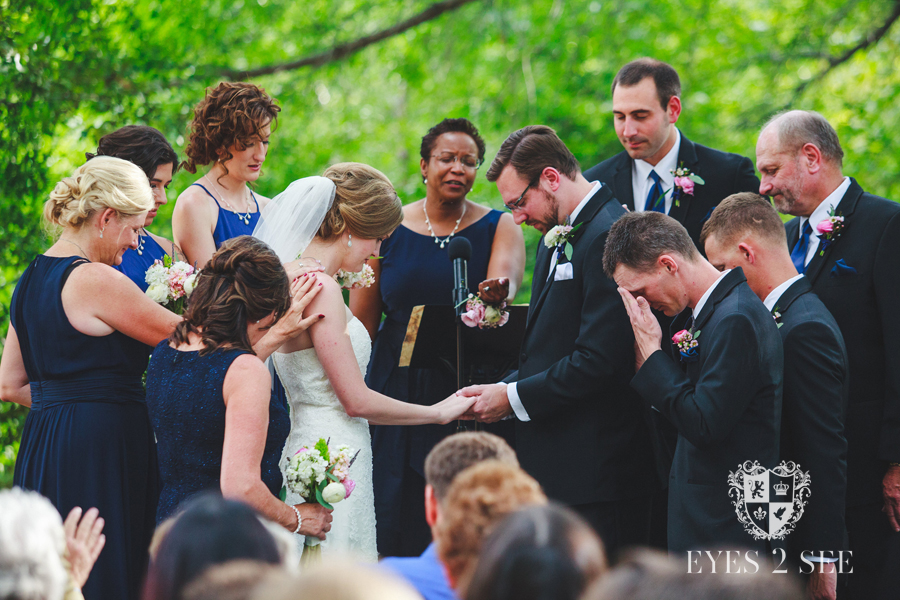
point(484, 316)
point(688, 347)
point(559, 235)
point(320, 474)
point(355, 281)
point(829, 230)
point(170, 283)
point(684, 183)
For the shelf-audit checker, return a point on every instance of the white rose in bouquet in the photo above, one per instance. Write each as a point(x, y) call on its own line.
point(159, 293)
point(334, 492)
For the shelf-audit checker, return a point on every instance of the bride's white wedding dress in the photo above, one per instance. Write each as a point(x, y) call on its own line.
point(317, 413)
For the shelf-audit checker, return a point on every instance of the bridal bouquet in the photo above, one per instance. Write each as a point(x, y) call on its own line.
point(170, 283)
point(484, 316)
point(320, 474)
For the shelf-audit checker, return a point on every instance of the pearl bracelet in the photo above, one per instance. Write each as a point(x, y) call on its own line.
point(299, 519)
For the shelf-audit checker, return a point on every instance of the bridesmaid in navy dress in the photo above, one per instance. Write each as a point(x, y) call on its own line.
point(230, 130)
point(207, 389)
point(147, 148)
point(75, 352)
point(415, 269)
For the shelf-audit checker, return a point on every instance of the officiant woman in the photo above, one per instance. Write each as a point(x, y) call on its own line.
point(79, 337)
point(415, 270)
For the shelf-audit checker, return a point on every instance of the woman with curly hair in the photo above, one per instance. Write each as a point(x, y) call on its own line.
point(230, 130)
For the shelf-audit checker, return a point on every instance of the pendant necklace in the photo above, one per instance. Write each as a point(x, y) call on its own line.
point(245, 219)
point(140, 248)
point(437, 240)
point(83, 253)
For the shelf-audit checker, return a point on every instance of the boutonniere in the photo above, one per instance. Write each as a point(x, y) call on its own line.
point(684, 183)
point(559, 235)
point(355, 281)
point(829, 230)
point(688, 347)
point(777, 316)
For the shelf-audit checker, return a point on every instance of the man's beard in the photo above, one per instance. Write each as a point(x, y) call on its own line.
point(789, 198)
point(550, 218)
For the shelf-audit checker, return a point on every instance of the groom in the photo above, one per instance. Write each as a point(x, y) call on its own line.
point(579, 427)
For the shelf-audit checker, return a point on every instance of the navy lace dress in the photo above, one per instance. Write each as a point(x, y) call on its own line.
point(135, 264)
point(87, 440)
point(187, 410)
point(414, 271)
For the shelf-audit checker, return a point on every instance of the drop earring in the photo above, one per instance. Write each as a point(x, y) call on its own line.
point(101, 234)
point(350, 240)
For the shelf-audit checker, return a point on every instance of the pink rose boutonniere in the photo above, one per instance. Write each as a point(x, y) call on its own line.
point(687, 344)
point(830, 230)
point(684, 183)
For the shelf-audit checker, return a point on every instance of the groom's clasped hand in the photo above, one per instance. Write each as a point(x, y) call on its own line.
point(489, 402)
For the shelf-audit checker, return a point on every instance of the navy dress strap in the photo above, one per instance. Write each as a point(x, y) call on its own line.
point(229, 223)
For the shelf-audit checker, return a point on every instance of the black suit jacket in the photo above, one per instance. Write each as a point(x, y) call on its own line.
point(726, 407)
point(586, 441)
point(864, 301)
point(723, 172)
point(816, 389)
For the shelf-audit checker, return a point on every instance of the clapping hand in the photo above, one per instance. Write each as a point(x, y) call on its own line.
point(494, 291)
point(84, 541)
point(491, 402)
point(454, 407)
point(647, 332)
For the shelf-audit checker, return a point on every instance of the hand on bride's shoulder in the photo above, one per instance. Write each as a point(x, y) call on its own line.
point(454, 407)
point(299, 318)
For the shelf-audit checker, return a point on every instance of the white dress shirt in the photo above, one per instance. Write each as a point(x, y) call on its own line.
point(775, 295)
point(641, 181)
point(820, 214)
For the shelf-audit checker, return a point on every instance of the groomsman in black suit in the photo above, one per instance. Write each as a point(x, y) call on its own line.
point(745, 231)
point(724, 396)
point(646, 106)
point(854, 268)
point(579, 428)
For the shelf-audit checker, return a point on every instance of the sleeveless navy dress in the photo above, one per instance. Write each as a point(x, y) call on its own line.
point(230, 225)
point(187, 410)
point(135, 265)
point(87, 440)
point(414, 271)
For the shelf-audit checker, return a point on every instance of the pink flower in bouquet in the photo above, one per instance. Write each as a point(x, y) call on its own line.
point(504, 317)
point(350, 485)
point(686, 184)
point(682, 335)
point(825, 226)
point(473, 316)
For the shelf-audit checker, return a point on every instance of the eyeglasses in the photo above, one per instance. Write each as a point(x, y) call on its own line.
point(512, 206)
point(468, 161)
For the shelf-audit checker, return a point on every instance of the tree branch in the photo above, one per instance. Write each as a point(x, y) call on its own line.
point(834, 61)
point(342, 50)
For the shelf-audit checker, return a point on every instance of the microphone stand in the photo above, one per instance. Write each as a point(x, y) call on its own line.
point(460, 250)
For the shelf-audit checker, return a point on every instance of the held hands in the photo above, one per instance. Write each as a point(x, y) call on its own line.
point(891, 490)
point(647, 332)
point(84, 541)
point(491, 402)
point(303, 290)
point(315, 519)
point(454, 407)
point(493, 291)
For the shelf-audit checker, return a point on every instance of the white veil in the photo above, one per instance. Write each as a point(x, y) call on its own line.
point(290, 221)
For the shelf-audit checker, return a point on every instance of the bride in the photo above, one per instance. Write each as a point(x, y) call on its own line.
point(340, 220)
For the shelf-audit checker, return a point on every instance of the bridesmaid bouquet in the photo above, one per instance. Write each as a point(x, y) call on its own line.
point(170, 283)
point(320, 474)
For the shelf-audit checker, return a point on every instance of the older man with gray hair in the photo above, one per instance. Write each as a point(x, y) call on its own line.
point(847, 243)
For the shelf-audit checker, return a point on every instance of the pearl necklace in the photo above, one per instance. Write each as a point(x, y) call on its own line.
point(244, 218)
point(437, 240)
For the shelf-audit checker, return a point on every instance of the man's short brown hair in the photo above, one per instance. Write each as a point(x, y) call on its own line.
point(532, 149)
point(664, 77)
point(741, 213)
point(638, 239)
point(458, 452)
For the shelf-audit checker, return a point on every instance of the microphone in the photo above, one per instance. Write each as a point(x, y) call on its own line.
point(460, 250)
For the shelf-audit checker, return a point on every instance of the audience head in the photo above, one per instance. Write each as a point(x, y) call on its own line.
point(478, 499)
point(799, 158)
point(530, 167)
point(336, 580)
point(540, 553)
point(646, 253)
point(234, 580)
point(231, 127)
point(451, 153)
point(650, 575)
point(210, 531)
point(646, 104)
point(32, 542)
point(745, 231)
point(241, 292)
point(148, 149)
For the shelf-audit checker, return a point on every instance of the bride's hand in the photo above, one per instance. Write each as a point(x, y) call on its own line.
point(316, 519)
point(303, 290)
point(454, 407)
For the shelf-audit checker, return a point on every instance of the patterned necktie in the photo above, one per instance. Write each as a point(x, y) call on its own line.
point(798, 254)
point(656, 201)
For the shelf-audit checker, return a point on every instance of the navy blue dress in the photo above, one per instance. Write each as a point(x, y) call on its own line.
point(135, 265)
point(87, 440)
point(414, 271)
point(230, 225)
point(187, 410)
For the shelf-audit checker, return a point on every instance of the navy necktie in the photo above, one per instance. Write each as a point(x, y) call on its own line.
point(655, 199)
point(798, 254)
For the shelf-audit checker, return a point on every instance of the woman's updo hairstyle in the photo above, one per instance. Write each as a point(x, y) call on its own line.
point(365, 202)
point(102, 182)
point(143, 145)
point(243, 282)
point(231, 114)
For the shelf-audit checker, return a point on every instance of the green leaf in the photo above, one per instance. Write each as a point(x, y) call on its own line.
point(282, 495)
point(569, 250)
point(321, 500)
point(696, 334)
point(322, 447)
point(696, 179)
point(331, 476)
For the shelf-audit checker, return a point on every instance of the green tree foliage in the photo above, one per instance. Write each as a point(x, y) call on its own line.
point(71, 70)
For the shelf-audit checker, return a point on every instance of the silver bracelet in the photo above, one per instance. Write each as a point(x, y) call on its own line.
point(299, 518)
